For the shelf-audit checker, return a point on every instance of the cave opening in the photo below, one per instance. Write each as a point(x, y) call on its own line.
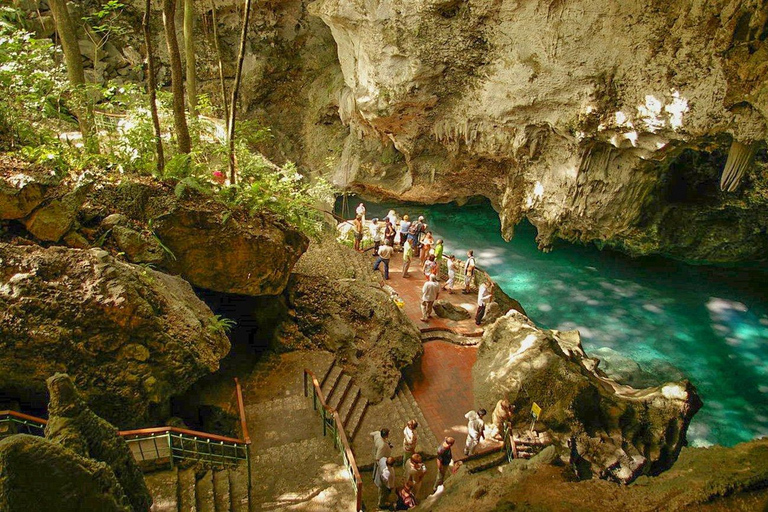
point(694, 177)
point(206, 405)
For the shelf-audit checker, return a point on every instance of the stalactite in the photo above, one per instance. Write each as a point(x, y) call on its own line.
point(740, 158)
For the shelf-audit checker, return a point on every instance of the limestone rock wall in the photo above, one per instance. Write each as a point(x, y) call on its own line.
point(572, 114)
point(129, 336)
point(621, 432)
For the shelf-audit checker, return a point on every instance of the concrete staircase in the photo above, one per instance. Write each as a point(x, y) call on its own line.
point(199, 489)
point(342, 394)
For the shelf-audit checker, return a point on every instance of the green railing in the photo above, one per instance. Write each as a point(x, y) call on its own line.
point(161, 445)
point(12, 422)
point(509, 443)
point(332, 423)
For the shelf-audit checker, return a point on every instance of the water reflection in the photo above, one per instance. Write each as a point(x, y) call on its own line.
point(708, 324)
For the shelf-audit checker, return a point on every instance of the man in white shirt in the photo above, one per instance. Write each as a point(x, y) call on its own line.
point(484, 295)
point(410, 438)
point(475, 430)
point(384, 478)
point(385, 253)
point(429, 293)
point(415, 469)
point(381, 445)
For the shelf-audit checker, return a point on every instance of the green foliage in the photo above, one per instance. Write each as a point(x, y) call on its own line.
point(221, 324)
point(35, 114)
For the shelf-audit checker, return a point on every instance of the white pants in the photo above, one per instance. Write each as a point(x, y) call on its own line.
point(472, 443)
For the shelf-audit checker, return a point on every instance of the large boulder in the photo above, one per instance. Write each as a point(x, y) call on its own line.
point(129, 336)
point(445, 309)
point(73, 425)
point(352, 316)
point(22, 187)
point(200, 239)
point(620, 431)
point(36, 474)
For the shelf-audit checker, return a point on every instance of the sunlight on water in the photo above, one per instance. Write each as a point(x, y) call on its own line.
point(709, 325)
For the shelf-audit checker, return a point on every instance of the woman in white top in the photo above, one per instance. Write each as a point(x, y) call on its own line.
point(451, 262)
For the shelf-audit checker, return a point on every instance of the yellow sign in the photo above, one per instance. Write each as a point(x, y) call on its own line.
point(535, 410)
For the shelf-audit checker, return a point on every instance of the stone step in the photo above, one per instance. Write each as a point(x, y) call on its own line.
point(342, 390)
point(221, 492)
point(486, 461)
point(428, 441)
point(356, 418)
point(333, 379)
point(204, 493)
point(326, 374)
point(238, 485)
point(163, 488)
point(345, 411)
point(187, 484)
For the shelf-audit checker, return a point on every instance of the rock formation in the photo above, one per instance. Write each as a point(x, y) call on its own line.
point(129, 336)
point(81, 465)
point(598, 122)
point(209, 245)
point(73, 425)
point(620, 431)
point(739, 482)
point(335, 303)
point(36, 474)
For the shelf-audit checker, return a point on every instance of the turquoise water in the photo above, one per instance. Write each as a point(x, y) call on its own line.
point(708, 324)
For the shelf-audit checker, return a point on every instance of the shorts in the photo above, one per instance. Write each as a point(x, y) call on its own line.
point(358, 236)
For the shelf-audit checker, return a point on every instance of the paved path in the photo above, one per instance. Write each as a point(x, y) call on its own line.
point(442, 387)
point(409, 289)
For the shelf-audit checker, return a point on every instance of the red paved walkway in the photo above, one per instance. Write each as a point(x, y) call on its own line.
point(443, 388)
point(409, 290)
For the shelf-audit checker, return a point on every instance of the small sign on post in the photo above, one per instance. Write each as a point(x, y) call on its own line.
point(535, 412)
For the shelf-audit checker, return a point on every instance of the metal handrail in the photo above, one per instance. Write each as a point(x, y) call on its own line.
point(184, 431)
point(332, 421)
point(22, 416)
point(241, 410)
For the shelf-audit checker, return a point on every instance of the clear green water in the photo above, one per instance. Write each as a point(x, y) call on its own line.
point(710, 324)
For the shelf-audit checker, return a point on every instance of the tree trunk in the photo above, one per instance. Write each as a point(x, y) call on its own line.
point(221, 63)
point(152, 87)
point(189, 52)
point(177, 77)
point(74, 62)
point(235, 89)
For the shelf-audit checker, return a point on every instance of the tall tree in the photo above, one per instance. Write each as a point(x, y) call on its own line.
point(177, 77)
point(152, 86)
point(68, 35)
point(217, 44)
point(189, 52)
point(235, 90)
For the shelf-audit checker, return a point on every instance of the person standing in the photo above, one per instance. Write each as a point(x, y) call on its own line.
point(426, 246)
point(414, 234)
point(385, 253)
point(429, 293)
point(475, 430)
point(407, 257)
point(451, 263)
point(405, 225)
point(444, 461)
point(415, 469)
point(430, 266)
point(384, 478)
point(392, 216)
point(389, 232)
point(357, 227)
point(360, 212)
point(439, 251)
point(410, 438)
point(484, 296)
point(381, 445)
point(501, 415)
point(469, 271)
point(376, 235)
